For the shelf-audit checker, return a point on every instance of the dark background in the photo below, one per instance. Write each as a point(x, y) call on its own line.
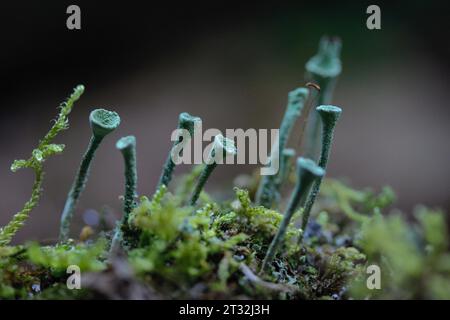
point(232, 64)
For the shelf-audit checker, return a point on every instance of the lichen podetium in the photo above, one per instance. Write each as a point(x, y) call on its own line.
point(102, 123)
point(44, 149)
point(307, 173)
point(268, 188)
point(329, 115)
point(185, 122)
point(221, 145)
point(323, 70)
point(127, 146)
point(286, 158)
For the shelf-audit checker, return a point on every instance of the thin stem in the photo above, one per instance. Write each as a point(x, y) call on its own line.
point(185, 122)
point(268, 188)
point(329, 115)
point(77, 187)
point(285, 165)
point(285, 168)
point(314, 93)
point(307, 173)
point(323, 69)
point(17, 222)
point(127, 146)
point(220, 149)
point(204, 176)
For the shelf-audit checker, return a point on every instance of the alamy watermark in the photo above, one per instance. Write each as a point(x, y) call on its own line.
point(374, 280)
point(74, 280)
point(373, 22)
point(73, 21)
point(252, 147)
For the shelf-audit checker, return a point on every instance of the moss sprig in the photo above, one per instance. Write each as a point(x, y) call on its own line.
point(44, 150)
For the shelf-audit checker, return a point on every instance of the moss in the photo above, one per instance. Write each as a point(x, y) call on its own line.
point(414, 259)
point(179, 245)
point(89, 257)
point(186, 252)
point(36, 161)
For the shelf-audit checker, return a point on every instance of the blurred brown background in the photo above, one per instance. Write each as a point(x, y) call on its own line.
point(231, 64)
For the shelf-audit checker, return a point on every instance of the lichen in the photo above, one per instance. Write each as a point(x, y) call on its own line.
point(183, 243)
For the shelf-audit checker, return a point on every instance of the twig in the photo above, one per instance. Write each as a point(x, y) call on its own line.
point(253, 278)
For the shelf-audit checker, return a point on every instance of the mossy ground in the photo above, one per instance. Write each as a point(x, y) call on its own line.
point(215, 250)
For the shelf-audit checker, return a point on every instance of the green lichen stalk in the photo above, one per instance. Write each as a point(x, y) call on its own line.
point(287, 156)
point(268, 187)
point(185, 122)
point(127, 146)
point(45, 149)
point(221, 148)
point(307, 173)
point(329, 115)
point(322, 69)
point(102, 123)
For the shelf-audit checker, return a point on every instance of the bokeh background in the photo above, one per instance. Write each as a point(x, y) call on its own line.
point(232, 64)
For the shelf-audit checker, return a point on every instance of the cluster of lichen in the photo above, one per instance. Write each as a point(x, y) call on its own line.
point(181, 243)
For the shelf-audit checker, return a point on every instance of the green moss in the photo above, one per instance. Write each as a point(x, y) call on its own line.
point(178, 244)
point(259, 223)
point(180, 248)
point(89, 257)
point(414, 261)
point(36, 161)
